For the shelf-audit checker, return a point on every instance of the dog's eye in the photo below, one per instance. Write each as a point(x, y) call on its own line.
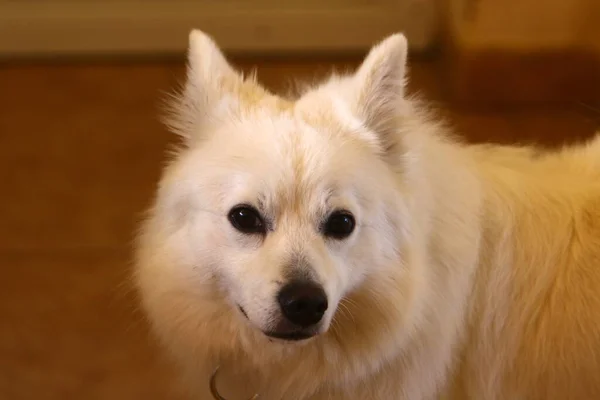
point(246, 220)
point(339, 225)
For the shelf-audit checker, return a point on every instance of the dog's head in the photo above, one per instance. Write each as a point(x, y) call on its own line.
point(275, 210)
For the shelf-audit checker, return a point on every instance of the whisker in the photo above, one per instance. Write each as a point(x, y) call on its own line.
point(589, 107)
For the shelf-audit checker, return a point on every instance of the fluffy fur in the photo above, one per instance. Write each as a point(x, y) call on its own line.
point(473, 273)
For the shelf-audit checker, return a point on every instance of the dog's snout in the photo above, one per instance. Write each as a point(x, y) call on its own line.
point(303, 302)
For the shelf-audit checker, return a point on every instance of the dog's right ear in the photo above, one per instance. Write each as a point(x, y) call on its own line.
point(208, 94)
point(206, 62)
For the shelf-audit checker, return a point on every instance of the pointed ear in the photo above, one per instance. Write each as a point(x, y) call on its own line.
point(205, 60)
point(378, 87)
point(205, 95)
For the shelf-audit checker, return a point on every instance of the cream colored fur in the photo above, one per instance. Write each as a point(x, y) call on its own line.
point(474, 271)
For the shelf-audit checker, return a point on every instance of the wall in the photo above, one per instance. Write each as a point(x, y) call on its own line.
point(591, 31)
point(525, 24)
point(98, 27)
point(523, 51)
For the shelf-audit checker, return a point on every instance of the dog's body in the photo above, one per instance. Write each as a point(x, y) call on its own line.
point(454, 271)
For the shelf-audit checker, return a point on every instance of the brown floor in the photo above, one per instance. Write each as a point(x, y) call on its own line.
point(80, 151)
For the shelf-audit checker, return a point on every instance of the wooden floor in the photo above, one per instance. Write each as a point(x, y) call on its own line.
point(81, 148)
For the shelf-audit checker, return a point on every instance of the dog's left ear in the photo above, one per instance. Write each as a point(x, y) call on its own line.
point(378, 89)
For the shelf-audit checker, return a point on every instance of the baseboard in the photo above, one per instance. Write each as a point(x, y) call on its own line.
point(507, 77)
point(96, 27)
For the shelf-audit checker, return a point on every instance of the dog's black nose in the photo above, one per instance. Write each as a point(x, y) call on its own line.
point(303, 302)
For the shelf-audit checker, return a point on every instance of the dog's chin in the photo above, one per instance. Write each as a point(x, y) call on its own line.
point(285, 334)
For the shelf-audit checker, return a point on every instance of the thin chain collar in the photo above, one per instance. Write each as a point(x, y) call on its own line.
point(215, 392)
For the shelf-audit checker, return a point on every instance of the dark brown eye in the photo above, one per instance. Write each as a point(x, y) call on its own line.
point(246, 220)
point(339, 225)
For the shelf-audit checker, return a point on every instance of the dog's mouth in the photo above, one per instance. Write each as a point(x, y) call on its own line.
point(243, 311)
point(292, 336)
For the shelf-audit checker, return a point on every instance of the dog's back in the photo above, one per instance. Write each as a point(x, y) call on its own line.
point(536, 308)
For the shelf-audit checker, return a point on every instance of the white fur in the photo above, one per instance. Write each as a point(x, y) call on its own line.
point(473, 273)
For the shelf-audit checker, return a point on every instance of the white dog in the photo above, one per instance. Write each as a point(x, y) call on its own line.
point(339, 245)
